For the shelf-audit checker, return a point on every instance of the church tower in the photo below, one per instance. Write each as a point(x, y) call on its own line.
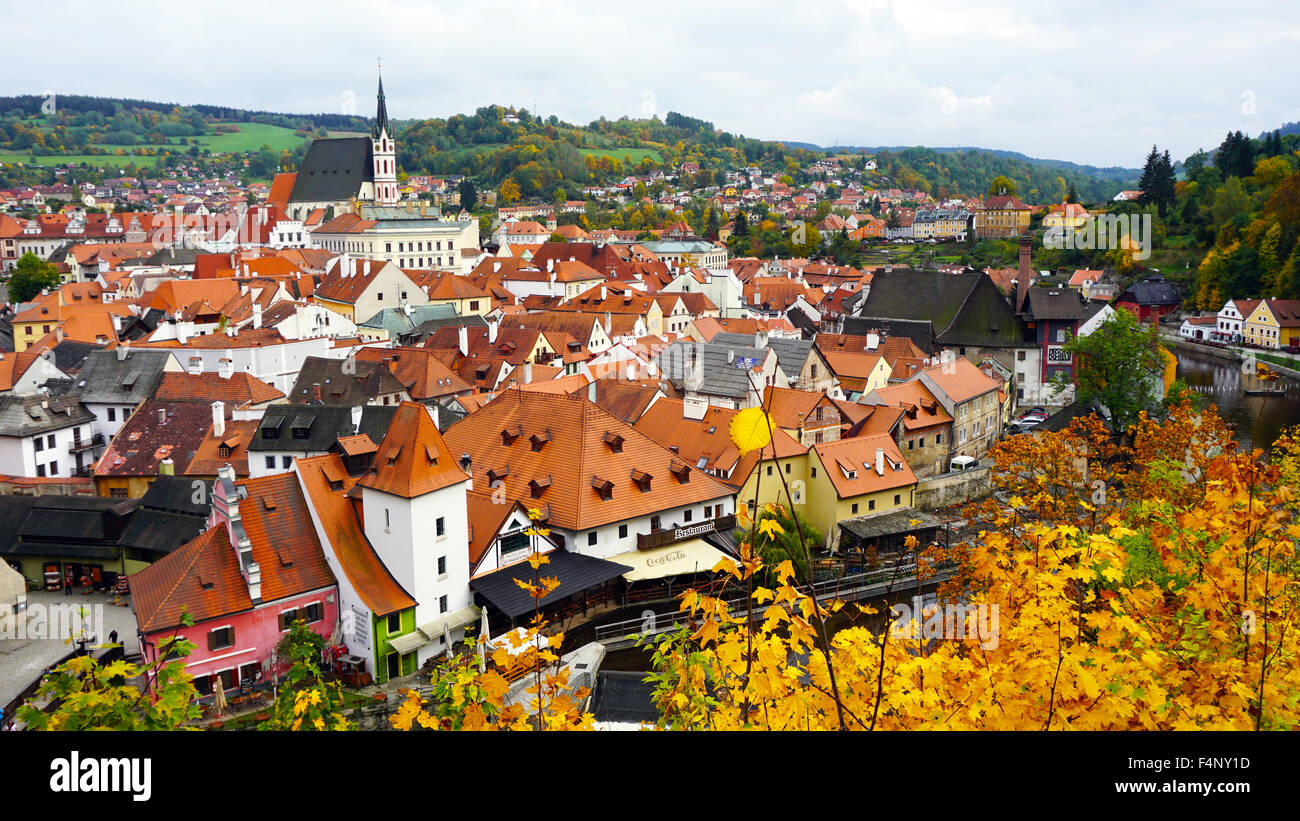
point(385, 154)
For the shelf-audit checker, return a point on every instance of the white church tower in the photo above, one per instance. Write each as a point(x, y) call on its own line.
point(385, 155)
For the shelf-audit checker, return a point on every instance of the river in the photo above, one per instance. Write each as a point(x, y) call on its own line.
point(1221, 382)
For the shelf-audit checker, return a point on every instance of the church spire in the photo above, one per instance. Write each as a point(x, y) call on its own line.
point(381, 113)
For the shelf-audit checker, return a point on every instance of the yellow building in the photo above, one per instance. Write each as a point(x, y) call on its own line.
point(1002, 216)
point(1067, 216)
point(856, 477)
point(1275, 323)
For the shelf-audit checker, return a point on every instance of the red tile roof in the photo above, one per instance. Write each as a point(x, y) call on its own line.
point(327, 483)
point(413, 459)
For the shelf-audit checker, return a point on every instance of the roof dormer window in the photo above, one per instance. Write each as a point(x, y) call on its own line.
point(539, 440)
point(614, 441)
point(642, 480)
point(603, 487)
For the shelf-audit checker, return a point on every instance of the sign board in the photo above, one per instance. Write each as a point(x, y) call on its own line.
point(649, 541)
point(745, 362)
point(1056, 355)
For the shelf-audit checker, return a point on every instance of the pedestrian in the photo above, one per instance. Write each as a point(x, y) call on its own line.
point(67, 583)
point(112, 637)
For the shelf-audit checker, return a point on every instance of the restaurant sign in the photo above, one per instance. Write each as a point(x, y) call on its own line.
point(649, 541)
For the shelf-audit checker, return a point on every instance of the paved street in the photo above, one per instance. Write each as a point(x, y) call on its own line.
point(27, 649)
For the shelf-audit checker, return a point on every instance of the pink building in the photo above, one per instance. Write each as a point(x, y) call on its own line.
point(244, 581)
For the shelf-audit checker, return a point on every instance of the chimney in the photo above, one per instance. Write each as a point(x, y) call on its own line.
point(356, 419)
point(196, 366)
point(873, 341)
point(463, 340)
point(528, 373)
point(1022, 282)
point(315, 390)
point(226, 368)
point(218, 418)
point(631, 371)
point(365, 270)
point(609, 321)
point(880, 461)
point(162, 416)
point(492, 332)
point(167, 467)
point(760, 339)
point(122, 351)
point(603, 293)
point(550, 267)
point(257, 315)
point(467, 465)
point(591, 391)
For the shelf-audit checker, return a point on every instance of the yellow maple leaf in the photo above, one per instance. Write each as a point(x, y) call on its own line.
point(750, 430)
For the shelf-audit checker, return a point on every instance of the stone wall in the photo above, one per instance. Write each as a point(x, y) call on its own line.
point(953, 488)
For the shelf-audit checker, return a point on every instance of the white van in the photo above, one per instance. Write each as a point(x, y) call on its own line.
point(963, 463)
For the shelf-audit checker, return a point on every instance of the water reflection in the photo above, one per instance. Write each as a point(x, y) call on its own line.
point(1222, 383)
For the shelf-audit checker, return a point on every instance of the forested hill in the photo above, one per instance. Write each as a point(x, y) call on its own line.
point(542, 156)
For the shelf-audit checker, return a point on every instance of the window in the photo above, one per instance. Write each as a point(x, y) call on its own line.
point(39, 444)
point(654, 524)
point(769, 470)
point(813, 473)
point(442, 565)
point(54, 468)
point(787, 467)
point(440, 526)
point(442, 604)
point(40, 470)
point(312, 613)
point(591, 539)
point(49, 441)
point(473, 304)
point(221, 637)
point(938, 438)
point(1020, 355)
point(855, 507)
point(380, 297)
point(286, 462)
point(112, 414)
point(911, 444)
point(394, 623)
point(387, 520)
point(270, 463)
point(871, 504)
point(686, 515)
point(622, 531)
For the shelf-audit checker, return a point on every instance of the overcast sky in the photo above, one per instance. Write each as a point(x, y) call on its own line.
point(1094, 83)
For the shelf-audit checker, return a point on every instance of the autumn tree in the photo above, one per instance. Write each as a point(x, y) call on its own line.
point(1002, 185)
point(1117, 365)
point(89, 695)
point(306, 701)
point(30, 276)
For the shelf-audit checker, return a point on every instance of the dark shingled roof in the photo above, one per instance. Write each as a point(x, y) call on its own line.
point(328, 423)
point(73, 526)
point(70, 355)
point(29, 415)
point(920, 331)
point(791, 354)
point(334, 170)
point(575, 571)
point(1048, 303)
point(1151, 291)
point(105, 379)
point(719, 377)
point(965, 309)
point(368, 380)
point(887, 524)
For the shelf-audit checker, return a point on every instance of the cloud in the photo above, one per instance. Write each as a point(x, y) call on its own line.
point(1050, 81)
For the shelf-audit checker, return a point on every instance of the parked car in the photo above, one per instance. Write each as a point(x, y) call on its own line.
point(959, 463)
point(1033, 417)
point(1292, 349)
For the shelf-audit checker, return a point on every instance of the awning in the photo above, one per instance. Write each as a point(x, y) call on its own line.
point(427, 632)
point(691, 556)
point(575, 571)
point(450, 621)
point(409, 642)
